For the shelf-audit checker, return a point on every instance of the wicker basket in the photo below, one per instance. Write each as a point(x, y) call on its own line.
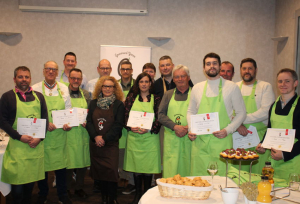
point(186, 192)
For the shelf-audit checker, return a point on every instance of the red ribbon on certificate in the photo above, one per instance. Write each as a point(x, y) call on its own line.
point(207, 115)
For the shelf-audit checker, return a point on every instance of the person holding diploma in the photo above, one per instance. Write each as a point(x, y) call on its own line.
point(172, 114)
point(78, 137)
point(105, 121)
point(214, 95)
point(57, 98)
point(142, 151)
point(285, 114)
point(258, 96)
point(23, 160)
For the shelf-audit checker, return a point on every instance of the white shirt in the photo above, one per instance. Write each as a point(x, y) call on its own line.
point(66, 79)
point(264, 98)
point(63, 88)
point(232, 98)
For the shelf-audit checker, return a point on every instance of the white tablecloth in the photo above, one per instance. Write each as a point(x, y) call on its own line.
point(4, 187)
point(152, 195)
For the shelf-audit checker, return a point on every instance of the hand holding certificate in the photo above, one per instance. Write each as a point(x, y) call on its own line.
point(140, 119)
point(280, 139)
point(33, 127)
point(62, 117)
point(248, 141)
point(202, 124)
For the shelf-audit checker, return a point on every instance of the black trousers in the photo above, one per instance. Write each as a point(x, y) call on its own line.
point(21, 194)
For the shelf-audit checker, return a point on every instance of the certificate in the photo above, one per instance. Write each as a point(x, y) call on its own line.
point(33, 127)
point(248, 141)
point(207, 123)
point(62, 117)
point(280, 139)
point(81, 114)
point(140, 119)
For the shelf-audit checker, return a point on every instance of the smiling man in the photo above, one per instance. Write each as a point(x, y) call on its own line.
point(258, 97)
point(214, 95)
point(172, 115)
point(165, 82)
point(23, 160)
point(227, 70)
point(70, 62)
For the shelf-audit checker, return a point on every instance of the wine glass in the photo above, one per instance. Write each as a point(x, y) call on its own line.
point(294, 181)
point(212, 168)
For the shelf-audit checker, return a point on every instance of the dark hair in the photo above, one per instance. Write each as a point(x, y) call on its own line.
point(135, 89)
point(150, 66)
point(212, 55)
point(248, 60)
point(75, 70)
point(70, 53)
point(227, 62)
point(126, 62)
point(165, 57)
point(293, 73)
point(23, 68)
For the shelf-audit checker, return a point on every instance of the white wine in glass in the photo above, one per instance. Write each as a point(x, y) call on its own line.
point(212, 168)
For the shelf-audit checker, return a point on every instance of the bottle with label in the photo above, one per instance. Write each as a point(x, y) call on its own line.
point(269, 172)
point(264, 190)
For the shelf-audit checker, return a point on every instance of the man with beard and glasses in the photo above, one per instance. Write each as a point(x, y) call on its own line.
point(258, 97)
point(214, 95)
point(23, 160)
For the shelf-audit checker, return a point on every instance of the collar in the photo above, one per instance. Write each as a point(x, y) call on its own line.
point(23, 94)
point(186, 91)
point(50, 86)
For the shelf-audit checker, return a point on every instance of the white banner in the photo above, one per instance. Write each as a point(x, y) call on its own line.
point(137, 55)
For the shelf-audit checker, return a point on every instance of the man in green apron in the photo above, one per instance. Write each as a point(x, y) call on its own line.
point(227, 70)
point(23, 161)
point(126, 82)
point(103, 69)
point(214, 95)
point(285, 114)
point(78, 137)
point(70, 62)
point(172, 114)
point(57, 98)
point(258, 97)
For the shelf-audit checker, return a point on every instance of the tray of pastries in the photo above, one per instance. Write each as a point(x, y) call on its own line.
point(239, 154)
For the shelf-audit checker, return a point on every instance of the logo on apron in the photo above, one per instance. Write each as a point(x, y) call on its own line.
point(100, 123)
point(178, 119)
point(31, 116)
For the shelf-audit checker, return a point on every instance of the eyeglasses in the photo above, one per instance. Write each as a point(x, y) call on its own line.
point(74, 79)
point(182, 76)
point(106, 86)
point(123, 69)
point(104, 68)
point(48, 69)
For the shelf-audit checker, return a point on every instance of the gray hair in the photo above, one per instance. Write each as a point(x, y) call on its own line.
point(180, 66)
point(53, 62)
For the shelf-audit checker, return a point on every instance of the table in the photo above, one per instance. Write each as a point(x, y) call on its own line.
point(153, 196)
point(4, 187)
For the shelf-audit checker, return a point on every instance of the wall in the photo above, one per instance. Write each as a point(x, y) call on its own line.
point(234, 29)
point(285, 26)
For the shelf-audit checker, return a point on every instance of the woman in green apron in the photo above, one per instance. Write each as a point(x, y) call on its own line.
point(105, 121)
point(142, 151)
point(285, 114)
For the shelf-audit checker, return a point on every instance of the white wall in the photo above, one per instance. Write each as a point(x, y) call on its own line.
point(235, 29)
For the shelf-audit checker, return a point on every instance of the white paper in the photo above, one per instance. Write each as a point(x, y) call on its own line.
point(207, 123)
point(62, 117)
point(280, 139)
point(140, 119)
point(33, 127)
point(248, 141)
point(81, 114)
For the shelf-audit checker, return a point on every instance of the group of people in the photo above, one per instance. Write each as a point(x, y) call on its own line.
point(115, 151)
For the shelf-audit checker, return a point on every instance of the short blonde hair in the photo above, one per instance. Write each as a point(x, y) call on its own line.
point(117, 90)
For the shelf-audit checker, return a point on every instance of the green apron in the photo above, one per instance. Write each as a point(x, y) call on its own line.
point(207, 148)
point(62, 81)
point(122, 140)
point(142, 152)
point(78, 140)
point(261, 128)
point(282, 169)
point(21, 163)
point(55, 141)
point(177, 150)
